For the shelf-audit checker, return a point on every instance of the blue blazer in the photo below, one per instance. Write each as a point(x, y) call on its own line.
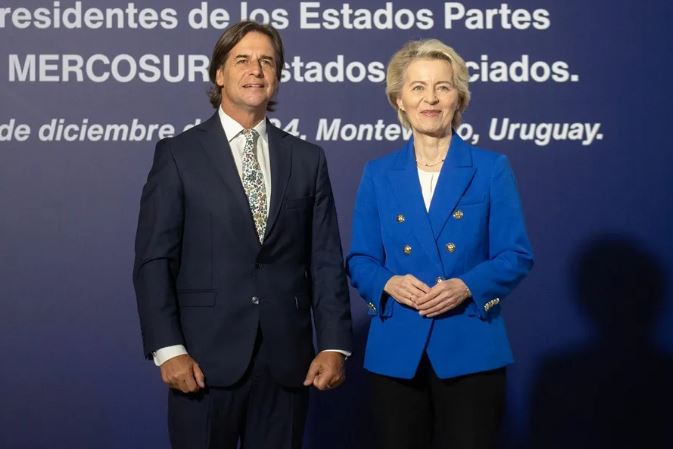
point(474, 230)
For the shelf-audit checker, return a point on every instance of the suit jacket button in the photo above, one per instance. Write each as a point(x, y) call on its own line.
point(400, 218)
point(372, 307)
point(254, 300)
point(439, 279)
point(451, 247)
point(458, 214)
point(407, 249)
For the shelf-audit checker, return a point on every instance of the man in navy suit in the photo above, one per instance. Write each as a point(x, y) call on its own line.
point(237, 243)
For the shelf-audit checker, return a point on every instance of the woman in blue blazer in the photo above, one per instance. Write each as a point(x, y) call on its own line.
point(438, 243)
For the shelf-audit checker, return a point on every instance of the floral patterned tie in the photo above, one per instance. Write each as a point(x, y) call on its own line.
point(253, 182)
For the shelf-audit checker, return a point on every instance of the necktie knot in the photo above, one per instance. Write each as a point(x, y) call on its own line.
point(250, 137)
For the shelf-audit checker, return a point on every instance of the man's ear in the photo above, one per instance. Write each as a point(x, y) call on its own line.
point(219, 77)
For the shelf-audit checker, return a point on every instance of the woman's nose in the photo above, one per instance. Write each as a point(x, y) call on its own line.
point(431, 98)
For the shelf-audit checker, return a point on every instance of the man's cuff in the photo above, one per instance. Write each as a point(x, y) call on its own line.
point(346, 354)
point(162, 355)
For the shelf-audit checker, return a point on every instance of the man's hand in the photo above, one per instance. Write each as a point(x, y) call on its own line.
point(183, 373)
point(326, 371)
point(406, 289)
point(441, 298)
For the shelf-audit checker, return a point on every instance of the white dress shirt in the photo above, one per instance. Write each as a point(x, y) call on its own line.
point(233, 131)
point(428, 180)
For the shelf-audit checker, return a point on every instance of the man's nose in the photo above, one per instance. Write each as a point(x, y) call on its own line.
point(256, 68)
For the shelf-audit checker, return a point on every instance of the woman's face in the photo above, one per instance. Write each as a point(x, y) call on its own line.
point(428, 96)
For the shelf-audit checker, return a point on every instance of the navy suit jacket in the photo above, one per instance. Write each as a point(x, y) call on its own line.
point(474, 230)
point(203, 280)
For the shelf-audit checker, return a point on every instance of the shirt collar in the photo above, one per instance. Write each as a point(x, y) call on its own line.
point(232, 128)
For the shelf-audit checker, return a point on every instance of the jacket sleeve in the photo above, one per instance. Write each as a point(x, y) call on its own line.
point(510, 254)
point(331, 305)
point(157, 252)
point(366, 260)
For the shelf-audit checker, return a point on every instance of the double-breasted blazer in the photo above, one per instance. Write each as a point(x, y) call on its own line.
point(203, 279)
point(474, 230)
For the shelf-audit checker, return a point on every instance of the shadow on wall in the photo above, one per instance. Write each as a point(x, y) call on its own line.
point(617, 391)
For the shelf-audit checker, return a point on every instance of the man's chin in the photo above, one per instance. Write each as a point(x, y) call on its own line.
point(257, 103)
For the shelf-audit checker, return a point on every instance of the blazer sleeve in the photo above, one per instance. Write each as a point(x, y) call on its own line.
point(331, 305)
point(510, 254)
point(157, 252)
point(366, 260)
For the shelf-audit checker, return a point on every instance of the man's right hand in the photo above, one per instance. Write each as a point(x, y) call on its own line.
point(183, 373)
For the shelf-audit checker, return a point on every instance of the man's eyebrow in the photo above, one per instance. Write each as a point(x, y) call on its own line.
point(246, 56)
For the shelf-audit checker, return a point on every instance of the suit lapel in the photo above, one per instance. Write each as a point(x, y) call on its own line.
point(216, 146)
point(454, 178)
point(280, 158)
point(405, 186)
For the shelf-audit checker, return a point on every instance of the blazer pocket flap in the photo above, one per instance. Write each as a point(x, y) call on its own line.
point(472, 308)
point(196, 298)
point(299, 203)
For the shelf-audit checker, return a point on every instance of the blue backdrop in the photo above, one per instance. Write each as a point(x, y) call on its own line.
point(587, 82)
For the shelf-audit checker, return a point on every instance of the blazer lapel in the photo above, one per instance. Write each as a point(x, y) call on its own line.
point(280, 157)
point(454, 178)
point(216, 146)
point(405, 186)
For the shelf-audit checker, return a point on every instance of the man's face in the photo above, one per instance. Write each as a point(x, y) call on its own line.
point(248, 77)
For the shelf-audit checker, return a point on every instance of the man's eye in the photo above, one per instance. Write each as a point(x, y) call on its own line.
point(417, 88)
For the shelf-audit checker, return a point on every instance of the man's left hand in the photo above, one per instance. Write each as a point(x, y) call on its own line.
point(326, 371)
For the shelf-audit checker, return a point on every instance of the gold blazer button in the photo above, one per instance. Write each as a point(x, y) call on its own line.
point(407, 249)
point(458, 214)
point(400, 218)
point(451, 247)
